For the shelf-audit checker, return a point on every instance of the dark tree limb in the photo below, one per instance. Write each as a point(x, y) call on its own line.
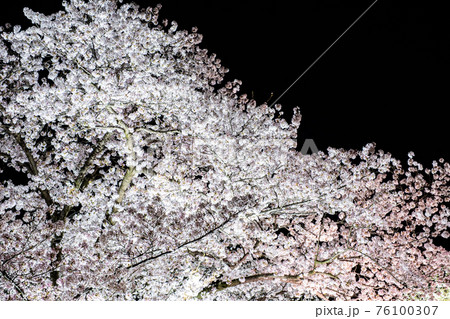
point(182, 245)
point(82, 179)
point(16, 286)
point(32, 166)
point(221, 285)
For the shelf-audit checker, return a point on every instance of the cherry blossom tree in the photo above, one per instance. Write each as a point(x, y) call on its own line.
point(148, 179)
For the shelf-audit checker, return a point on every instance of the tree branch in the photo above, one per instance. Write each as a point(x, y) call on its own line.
point(16, 286)
point(183, 245)
point(149, 130)
point(129, 174)
point(384, 268)
point(221, 285)
point(32, 167)
point(81, 178)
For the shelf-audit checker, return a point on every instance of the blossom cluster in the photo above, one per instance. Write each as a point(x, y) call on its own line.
point(149, 179)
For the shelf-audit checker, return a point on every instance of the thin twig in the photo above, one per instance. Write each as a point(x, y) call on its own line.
point(183, 245)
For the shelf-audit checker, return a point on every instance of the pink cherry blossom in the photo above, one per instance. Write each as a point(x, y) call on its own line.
point(150, 179)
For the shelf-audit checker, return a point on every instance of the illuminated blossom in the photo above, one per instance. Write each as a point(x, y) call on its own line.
point(147, 178)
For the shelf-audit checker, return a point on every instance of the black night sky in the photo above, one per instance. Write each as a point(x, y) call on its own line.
point(385, 81)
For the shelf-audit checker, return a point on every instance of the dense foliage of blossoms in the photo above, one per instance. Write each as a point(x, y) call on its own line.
point(148, 179)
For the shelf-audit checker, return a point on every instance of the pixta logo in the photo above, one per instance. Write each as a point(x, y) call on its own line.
point(309, 144)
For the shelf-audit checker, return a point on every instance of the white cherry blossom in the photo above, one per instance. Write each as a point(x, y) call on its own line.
point(149, 179)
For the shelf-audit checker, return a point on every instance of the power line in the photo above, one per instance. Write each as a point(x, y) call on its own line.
point(320, 56)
